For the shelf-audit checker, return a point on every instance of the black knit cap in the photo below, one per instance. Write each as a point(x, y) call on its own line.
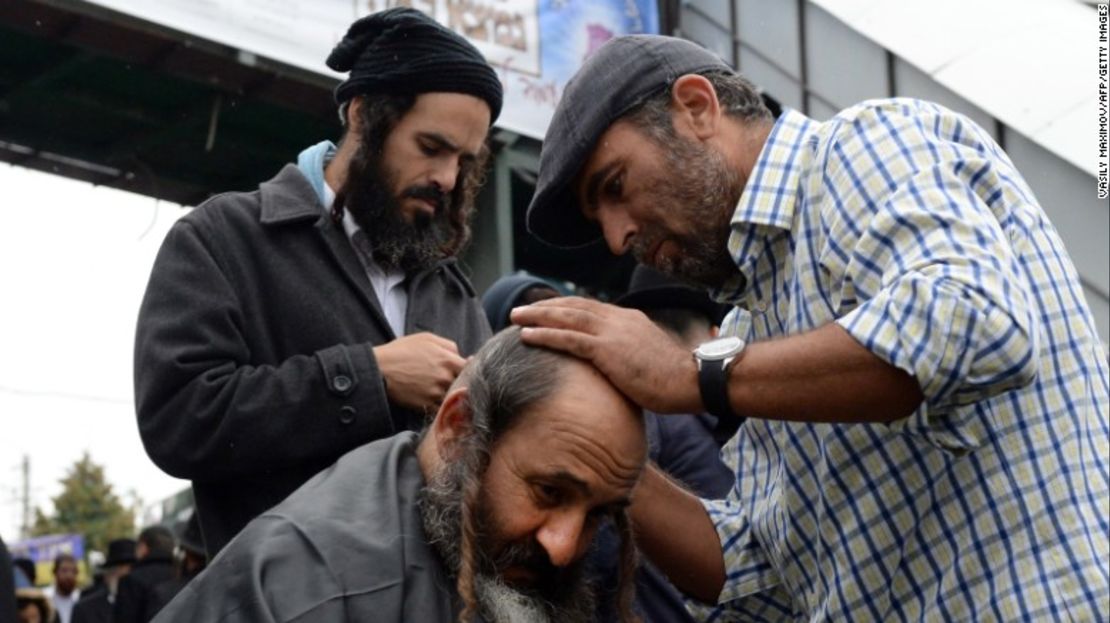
point(403, 51)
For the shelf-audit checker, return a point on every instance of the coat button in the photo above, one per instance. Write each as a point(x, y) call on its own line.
point(347, 414)
point(341, 383)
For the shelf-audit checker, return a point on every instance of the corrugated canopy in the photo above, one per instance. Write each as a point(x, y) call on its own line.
point(98, 97)
point(1029, 63)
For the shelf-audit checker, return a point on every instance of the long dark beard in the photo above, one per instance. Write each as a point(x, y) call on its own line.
point(396, 243)
point(703, 190)
point(559, 595)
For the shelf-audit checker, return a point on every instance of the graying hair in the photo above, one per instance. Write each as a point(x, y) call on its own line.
point(737, 97)
point(505, 379)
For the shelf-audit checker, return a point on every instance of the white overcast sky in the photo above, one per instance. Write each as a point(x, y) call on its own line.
point(74, 262)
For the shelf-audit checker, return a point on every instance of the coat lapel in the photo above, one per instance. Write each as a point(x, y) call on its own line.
point(289, 199)
point(344, 255)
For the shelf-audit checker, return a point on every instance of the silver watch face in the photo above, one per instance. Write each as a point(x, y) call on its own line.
point(720, 348)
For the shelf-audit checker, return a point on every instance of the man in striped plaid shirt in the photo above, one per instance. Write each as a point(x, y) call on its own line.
point(925, 391)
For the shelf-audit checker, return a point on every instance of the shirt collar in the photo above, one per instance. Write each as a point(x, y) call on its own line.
point(769, 198)
point(772, 190)
point(350, 227)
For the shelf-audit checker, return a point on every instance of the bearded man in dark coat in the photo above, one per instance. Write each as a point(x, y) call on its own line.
point(285, 326)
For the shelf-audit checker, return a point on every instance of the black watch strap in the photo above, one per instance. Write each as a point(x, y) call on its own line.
point(713, 383)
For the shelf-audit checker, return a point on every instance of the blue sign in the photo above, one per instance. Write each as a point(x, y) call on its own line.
point(47, 548)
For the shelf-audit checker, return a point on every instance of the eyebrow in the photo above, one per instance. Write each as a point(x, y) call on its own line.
point(584, 489)
point(572, 480)
point(594, 182)
point(442, 142)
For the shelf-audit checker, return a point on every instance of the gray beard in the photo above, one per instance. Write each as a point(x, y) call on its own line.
point(500, 603)
point(704, 190)
point(440, 506)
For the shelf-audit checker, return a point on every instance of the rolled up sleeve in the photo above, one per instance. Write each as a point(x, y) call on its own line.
point(944, 299)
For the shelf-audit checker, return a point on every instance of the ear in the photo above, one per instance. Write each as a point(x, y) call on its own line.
point(694, 104)
point(452, 423)
point(354, 115)
point(714, 331)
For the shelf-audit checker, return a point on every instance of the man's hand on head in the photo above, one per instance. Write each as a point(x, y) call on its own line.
point(639, 358)
point(418, 369)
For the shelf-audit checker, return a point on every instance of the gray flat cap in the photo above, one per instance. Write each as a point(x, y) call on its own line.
point(618, 77)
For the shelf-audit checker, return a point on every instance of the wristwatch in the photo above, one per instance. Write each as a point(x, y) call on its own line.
point(714, 359)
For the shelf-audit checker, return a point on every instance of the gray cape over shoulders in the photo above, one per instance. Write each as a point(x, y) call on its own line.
point(347, 546)
point(254, 366)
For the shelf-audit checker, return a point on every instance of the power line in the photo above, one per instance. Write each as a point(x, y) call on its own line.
point(25, 528)
point(33, 393)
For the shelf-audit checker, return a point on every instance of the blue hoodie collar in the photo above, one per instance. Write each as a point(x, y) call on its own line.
point(311, 163)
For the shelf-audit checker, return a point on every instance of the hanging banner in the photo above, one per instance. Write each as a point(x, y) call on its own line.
point(46, 548)
point(535, 45)
point(42, 550)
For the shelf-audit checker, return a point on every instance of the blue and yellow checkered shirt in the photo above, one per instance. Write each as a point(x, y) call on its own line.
point(908, 226)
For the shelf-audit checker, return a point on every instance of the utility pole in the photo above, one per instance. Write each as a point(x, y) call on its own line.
point(25, 529)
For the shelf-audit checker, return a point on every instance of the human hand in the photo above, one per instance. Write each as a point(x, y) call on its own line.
point(639, 358)
point(418, 369)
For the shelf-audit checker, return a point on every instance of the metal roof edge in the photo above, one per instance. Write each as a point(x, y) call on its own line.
point(1030, 64)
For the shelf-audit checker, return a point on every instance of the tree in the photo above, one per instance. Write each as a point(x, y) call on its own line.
point(87, 506)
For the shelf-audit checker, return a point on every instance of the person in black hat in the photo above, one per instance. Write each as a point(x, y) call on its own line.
point(96, 605)
point(511, 291)
point(686, 446)
point(691, 318)
point(909, 343)
point(136, 601)
point(191, 560)
point(286, 326)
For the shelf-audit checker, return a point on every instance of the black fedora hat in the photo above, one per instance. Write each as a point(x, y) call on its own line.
point(120, 552)
point(188, 535)
point(650, 289)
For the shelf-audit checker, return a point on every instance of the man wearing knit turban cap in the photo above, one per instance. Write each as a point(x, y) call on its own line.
point(285, 326)
point(403, 51)
point(403, 63)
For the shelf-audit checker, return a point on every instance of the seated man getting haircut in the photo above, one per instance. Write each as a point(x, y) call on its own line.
point(488, 512)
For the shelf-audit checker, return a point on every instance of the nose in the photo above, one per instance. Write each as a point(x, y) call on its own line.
point(446, 175)
point(565, 537)
point(618, 228)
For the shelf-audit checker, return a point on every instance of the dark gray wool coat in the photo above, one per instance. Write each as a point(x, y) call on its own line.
point(253, 360)
point(348, 546)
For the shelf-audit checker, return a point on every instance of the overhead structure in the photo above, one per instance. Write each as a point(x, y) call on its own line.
point(95, 95)
point(180, 100)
